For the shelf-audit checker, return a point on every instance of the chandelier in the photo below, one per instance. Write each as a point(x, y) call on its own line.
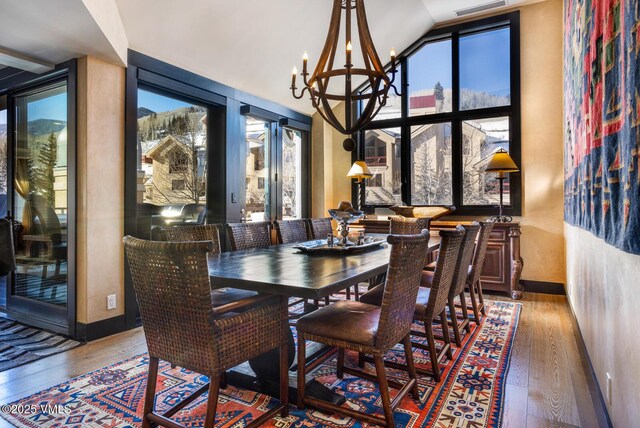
point(317, 84)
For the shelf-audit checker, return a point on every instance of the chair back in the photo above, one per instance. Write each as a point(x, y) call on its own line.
point(171, 282)
point(481, 250)
point(289, 231)
point(200, 232)
point(400, 225)
point(320, 228)
point(254, 234)
point(450, 244)
point(408, 257)
point(464, 259)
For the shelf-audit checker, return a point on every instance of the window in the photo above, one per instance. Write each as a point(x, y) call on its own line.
point(384, 187)
point(175, 185)
point(178, 162)
point(430, 82)
point(172, 148)
point(292, 173)
point(462, 93)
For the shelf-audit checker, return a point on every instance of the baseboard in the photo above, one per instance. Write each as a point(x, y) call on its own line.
point(602, 414)
point(543, 287)
point(100, 329)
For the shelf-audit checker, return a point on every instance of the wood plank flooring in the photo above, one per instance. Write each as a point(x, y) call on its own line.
point(546, 386)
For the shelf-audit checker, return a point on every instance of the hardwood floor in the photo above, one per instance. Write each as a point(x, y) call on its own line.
point(547, 385)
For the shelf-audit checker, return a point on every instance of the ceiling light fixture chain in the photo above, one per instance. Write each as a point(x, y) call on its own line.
point(317, 83)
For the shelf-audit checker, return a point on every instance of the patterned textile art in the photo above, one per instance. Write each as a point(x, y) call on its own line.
point(471, 393)
point(602, 113)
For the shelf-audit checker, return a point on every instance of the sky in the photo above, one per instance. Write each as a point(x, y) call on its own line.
point(54, 108)
point(158, 103)
point(484, 63)
point(3, 117)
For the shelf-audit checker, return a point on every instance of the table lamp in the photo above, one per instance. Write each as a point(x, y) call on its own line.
point(502, 164)
point(360, 171)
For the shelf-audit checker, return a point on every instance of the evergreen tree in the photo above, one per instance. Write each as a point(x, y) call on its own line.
point(44, 179)
point(438, 91)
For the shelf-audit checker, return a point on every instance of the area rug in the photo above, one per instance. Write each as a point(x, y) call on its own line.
point(471, 393)
point(21, 344)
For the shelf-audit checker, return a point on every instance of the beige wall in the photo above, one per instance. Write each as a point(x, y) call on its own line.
point(542, 145)
point(330, 165)
point(100, 265)
point(604, 292)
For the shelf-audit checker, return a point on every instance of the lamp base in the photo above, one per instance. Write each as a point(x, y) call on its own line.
point(501, 219)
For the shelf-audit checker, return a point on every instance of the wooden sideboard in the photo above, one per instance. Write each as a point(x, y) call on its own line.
point(503, 263)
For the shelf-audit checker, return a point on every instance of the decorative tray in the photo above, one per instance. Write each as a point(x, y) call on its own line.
point(320, 246)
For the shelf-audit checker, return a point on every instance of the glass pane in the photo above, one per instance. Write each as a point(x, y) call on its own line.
point(485, 69)
point(172, 162)
point(257, 173)
point(41, 195)
point(431, 175)
point(480, 139)
point(393, 107)
point(430, 79)
point(3, 158)
point(382, 155)
point(291, 174)
point(3, 186)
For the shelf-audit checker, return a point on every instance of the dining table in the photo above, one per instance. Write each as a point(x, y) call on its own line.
point(284, 270)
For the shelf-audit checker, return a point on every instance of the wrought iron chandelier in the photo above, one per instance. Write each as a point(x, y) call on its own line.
point(379, 81)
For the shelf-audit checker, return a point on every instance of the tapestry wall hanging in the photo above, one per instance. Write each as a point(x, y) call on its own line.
point(602, 113)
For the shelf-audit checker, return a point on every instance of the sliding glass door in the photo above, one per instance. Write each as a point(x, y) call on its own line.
point(274, 171)
point(4, 156)
point(39, 202)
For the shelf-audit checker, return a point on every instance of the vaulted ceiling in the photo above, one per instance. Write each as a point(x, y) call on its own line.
point(250, 45)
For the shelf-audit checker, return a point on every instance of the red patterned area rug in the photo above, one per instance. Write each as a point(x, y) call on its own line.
point(471, 393)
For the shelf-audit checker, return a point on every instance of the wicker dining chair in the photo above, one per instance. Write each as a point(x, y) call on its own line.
point(254, 234)
point(431, 303)
point(473, 281)
point(400, 225)
point(199, 232)
point(371, 329)
point(211, 233)
point(181, 326)
point(290, 231)
point(320, 228)
point(459, 282)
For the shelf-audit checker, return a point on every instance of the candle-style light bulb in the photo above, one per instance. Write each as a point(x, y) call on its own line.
point(393, 54)
point(349, 47)
point(293, 77)
point(305, 57)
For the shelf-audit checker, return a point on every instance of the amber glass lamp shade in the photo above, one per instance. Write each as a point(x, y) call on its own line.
point(359, 170)
point(501, 163)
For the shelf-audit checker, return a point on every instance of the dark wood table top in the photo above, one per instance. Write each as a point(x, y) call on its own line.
point(283, 270)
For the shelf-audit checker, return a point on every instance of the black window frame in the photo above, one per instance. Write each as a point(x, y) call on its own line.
point(456, 117)
point(225, 155)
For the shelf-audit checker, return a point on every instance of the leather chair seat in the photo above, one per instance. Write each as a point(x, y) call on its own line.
point(373, 296)
point(349, 321)
point(224, 296)
point(427, 279)
point(431, 266)
point(421, 302)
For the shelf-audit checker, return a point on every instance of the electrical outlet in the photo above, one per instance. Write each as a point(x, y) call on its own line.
point(608, 388)
point(111, 302)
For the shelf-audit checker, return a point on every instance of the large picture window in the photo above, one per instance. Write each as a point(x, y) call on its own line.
point(460, 103)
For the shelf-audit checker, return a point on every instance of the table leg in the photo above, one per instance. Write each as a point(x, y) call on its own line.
point(261, 374)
